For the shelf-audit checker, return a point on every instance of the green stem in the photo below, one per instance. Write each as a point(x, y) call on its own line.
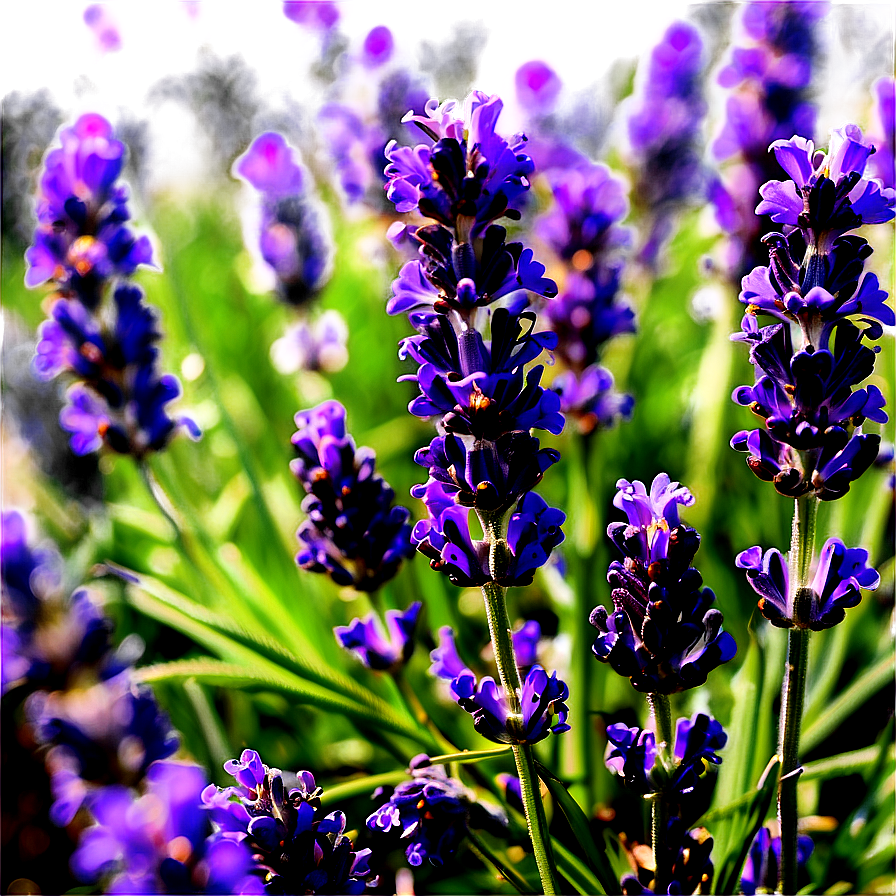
point(500, 863)
point(793, 693)
point(509, 674)
point(661, 710)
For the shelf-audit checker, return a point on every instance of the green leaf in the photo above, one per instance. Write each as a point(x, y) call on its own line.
point(235, 675)
point(837, 712)
point(498, 861)
point(576, 872)
point(579, 823)
point(357, 786)
point(471, 755)
point(747, 824)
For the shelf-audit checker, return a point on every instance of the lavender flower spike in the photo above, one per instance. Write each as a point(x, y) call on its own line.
point(373, 647)
point(294, 238)
point(839, 577)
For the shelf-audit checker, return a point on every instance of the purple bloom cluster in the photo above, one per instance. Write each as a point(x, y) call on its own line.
point(434, 813)
point(485, 394)
point(162, 840)
point(84, 246)
point(683, 866)
point(353, 533)
point(541, 699)
point(356, 136)
point(319, 345)
point(632, 752)
point(663, 633)
point(664, 129)
point(761, 868)
point(582, 228)
point(841, 574)
point(812, 441)
point(294, 238)
point(769, 78)
point(294, 847)
point(374, 647)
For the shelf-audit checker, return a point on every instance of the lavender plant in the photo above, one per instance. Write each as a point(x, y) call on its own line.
point(813, 445)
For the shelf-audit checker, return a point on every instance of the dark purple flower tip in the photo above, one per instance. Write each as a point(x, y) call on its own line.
point(537, 87)
point(271, 165)
point(631, 754)
point(376, 648)
point(446, 662)
point(541, 699)
point(761, 868)
point(378, 46)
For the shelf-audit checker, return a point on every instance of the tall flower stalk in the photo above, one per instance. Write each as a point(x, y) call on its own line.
point(467, 295)
point(812, 445)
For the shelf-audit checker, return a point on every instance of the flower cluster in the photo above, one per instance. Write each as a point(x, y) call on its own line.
point(769, 78)
point(663, 633)
point(582, 228)
point(319, 345)
point(294, 847)
point(84, 246)
point(434, 813)
point(375, 648)
point(292, 229)
point(841, 574)
point(664, 130)
point(683, 865)
point(632, 754)
point(353, 533)
point(813, 440)
point(376, 91)
point(162, 841)
point(487, 399)
point(760, 872)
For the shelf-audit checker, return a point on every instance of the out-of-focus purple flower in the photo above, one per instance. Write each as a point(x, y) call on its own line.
point(373, 646)
point(591, 400)
point(294, 847)
point(664, 129)
point(378, 46)
point(525, 643)
point(685, 867)
point(100, 21)
point(319, 15)
point(533, 532)
point(761, 868)
point(769, 74)
point(446, 662)
point(294, 240)
point(353, 533)
point(81, 238)
point(839, 577)
point(318, 345)
point(458, 43)
point(434, 813)
point(541, 699)
point(883, 132)
point(160, 842)
point(537, 87)
point(663, 633)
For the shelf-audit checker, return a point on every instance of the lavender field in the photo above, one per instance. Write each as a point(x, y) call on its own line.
point(448, 451)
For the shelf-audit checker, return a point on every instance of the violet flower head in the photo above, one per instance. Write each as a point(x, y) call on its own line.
point(591, 399)
point(434, 813)
point(537, 87)
point(883, 131)
point(98, 18)
point(295, 848)
point(378, 46)
point(319, 345)
point(353, 532)
point(663, 632)
point(541, 699)
point(294, 240)
point(318, 15)
point(761, 868)
point(664, 129)
point(161, 842)
point(383, 651)
point(82, 238)
point(836, 586)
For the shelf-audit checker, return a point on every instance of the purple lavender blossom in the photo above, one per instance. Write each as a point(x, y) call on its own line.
point(294, 847)
point(591, 399)
point(883, 131)
point(378, 46)
point(353, 532)
point(99, 20)
point(685, 866)
point(295, 240)
point(537, 86)
point(160, 842)
point(839, 577)
point(313, 347)
point(761, 868)
point(769, 75)
point(319, 15)
point(542, 698)
point(663, 633)
point(434, 813)
point(373, 646)
point(664, 129)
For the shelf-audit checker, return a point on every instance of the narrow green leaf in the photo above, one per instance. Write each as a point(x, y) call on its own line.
point(503, 867)
point(576, 871)
point(471, 755)
point(358, 786)
point(843, 764)
point(234, 675)
point(579, 824)
point(864, 687)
